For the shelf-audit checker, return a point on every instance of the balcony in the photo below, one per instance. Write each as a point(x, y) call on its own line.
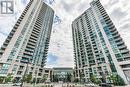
point(105, 16)
point(12, 32)
point(36, 30)
point(101, 9)
point(112, 27)
point(108, 21)
point(5, 43)
point(30, 44)
point(28, 50)
point(21, 69)
point(103, 12)
point(28, 53)
point(3, 47)
point(126, 56)
point(109, 24)
point(32, 41)
point(114, 32)
point(34, 35)
point(19, 73)
point(30, 47)
point(15, 27)
point(38, 24)
point(33, 38)
point(122, 47)
point(116, 35)
point(124, 51)
point(118, 39)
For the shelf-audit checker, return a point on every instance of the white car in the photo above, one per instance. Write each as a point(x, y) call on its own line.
point(17, 84)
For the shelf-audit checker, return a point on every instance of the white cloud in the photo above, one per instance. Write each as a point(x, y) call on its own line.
point(68, 10)
point(61, 40)
point(2, 38)
point(8, 21)
point(119, 12)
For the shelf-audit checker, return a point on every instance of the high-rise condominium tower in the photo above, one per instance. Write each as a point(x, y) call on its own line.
point(25, 48)
point(99, 50)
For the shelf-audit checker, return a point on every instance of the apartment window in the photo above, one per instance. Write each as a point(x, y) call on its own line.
point(103, 22)
point(9, 60)
point(118, 55)
point(107, 31)
point(4, 69)
point(125, 66)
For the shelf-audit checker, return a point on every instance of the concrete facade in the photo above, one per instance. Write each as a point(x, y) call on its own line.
point(99, 50)
point(25, 49)
point(58, 73)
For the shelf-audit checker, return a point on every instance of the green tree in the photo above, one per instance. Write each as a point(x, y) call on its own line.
point(1, 79)
point(44, 78)
point(68, 77)
point(116, 79)
point(94, 79)
point(8, 78)
point(55, 78)
point(81, 75)
point(76, 80)
point(27, 78)
point(119, 81)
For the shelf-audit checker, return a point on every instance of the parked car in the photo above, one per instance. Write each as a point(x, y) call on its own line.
point(105, 85)
point(17, 84)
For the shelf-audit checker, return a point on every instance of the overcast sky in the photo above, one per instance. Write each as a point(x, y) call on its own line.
point(61, 46)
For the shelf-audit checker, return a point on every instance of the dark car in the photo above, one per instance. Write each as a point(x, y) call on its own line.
point(105, 85)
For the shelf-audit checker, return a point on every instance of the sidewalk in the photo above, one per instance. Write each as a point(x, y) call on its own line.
point(123, 86)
